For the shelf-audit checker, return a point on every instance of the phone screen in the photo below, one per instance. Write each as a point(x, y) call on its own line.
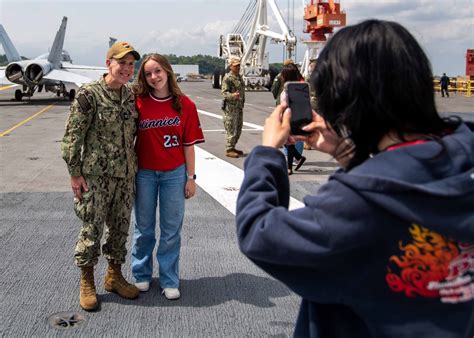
point(298, 98)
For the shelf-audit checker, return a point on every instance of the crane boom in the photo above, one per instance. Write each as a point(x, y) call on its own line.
point(248, 42)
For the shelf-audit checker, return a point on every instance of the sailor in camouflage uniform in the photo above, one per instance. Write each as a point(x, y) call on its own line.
point(312, 93)
point(233, 91)
point(98, 147)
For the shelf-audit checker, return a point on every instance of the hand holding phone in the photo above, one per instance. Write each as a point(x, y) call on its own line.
point(298, 99)
point(277, 128)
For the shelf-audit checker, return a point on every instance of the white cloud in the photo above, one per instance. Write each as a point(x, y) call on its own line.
point(445, 28)
point(204, 39)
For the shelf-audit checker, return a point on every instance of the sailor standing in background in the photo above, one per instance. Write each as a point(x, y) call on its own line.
point(312, 93)
point(444, 82)
point(233, 91)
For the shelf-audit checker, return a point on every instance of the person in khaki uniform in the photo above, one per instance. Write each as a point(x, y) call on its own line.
point(233, 91)
point(98, 147)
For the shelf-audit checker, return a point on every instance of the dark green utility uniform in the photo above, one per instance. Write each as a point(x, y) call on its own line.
point(234, 108)
point(99, 145)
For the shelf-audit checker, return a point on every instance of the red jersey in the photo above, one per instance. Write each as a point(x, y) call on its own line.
point(162, 132)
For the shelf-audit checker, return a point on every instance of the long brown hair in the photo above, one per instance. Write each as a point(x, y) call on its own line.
point(291, 72)
point(141, 87)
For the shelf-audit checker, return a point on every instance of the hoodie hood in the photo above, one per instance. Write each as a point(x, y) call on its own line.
point(441, 175)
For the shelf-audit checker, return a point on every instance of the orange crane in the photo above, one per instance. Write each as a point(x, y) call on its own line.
point(321, 17)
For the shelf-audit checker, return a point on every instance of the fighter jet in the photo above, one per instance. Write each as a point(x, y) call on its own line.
point(112, 41)
point(51, 71)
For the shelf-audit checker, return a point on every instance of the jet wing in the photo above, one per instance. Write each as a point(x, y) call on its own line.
point(68, 65)
point(87, 71)
point(68, 77)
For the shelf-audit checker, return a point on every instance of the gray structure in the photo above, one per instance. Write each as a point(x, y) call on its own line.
point(183, 70)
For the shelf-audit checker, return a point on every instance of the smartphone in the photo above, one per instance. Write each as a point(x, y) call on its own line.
point(298, 98)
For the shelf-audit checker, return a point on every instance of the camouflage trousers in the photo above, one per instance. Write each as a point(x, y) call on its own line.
point(108, 202)
point(233, 121)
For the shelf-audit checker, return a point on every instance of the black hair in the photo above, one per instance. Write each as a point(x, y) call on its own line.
point(374, 78)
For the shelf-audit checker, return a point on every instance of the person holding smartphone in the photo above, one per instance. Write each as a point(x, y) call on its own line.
point(386, 247)
point(290, 73)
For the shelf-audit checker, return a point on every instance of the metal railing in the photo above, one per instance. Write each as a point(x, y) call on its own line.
point(458, 86)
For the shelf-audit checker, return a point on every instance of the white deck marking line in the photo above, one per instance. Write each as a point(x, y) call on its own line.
point(247, 124)
point(221, 179)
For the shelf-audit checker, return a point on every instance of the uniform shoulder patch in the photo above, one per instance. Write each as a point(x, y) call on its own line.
point(83, 102)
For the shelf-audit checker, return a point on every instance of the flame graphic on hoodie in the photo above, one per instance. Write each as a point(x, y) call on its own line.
point(424, 260)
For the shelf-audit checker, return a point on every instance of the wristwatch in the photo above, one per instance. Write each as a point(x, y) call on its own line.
point(192, 177)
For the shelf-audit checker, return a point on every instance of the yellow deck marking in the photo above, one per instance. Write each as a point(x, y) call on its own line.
point(26, 120)
point(6, 87)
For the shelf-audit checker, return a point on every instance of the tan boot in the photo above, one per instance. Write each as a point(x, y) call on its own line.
point(231, 153)
point(114, 282)
point(87, 294)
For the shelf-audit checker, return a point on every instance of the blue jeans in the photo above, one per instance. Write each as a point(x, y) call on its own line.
point(299, 146)
point(169, 186)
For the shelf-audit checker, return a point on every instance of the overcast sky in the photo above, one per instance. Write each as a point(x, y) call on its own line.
point(445, 28)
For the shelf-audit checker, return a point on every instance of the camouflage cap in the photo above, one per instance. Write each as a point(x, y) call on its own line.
point(120, 49)
point(234, 61)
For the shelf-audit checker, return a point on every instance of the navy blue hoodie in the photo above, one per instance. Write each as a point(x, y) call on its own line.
point(383, 250)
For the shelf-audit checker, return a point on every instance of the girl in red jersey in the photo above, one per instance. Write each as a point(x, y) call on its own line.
point(167, 131)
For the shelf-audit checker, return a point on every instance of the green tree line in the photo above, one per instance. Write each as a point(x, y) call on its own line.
point(207, 64)
point(3, 60)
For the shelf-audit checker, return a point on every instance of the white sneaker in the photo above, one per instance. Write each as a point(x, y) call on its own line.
point(143, 286)
point(171, 293)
